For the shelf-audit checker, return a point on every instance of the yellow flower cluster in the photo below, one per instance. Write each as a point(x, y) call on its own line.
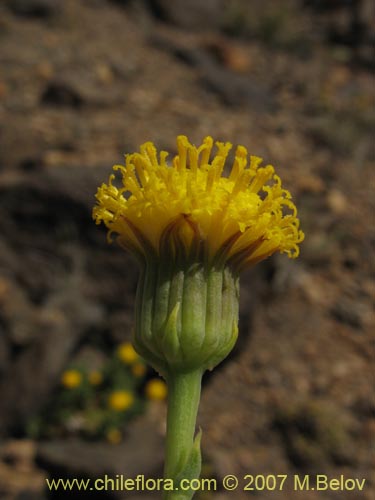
point(71, 379)
point(156, 390)
point(120, 400)
point(243, 217)
point(127, 353)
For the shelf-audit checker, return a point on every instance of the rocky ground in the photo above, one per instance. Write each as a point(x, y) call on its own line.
point(81, 83)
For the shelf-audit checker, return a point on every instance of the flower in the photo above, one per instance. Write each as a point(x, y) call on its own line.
point(120, 400)
point(95, 377)
point(193, 229)
point(71, 379)
point(156, 390)
point(242, 218)
point(114, 436)
point(138, 369)
point(126, 353)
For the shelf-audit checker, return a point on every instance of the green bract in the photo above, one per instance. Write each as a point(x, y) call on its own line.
point(186, 315)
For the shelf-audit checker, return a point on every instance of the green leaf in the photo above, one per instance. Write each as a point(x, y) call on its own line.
point(191, 470)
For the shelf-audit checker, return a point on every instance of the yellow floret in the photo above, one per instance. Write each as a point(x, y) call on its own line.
point(156, 390)
point(243, 217)
point(127, 354)
point(71, 379)
point(120, 400)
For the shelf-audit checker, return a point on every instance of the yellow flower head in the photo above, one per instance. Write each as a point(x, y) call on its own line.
point(95, 377)
point(127, 354)
point(114, 436)
point(138, 369)
point(241, 218)
point(156, 389)
point(71, 379)
point(120, 400)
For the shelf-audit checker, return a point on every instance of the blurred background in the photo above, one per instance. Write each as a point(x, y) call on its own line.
point(81, 83)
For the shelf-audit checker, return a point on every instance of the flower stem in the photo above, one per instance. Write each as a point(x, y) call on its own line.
point(184, 391)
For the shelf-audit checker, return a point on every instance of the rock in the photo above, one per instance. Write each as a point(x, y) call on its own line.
point(17, 313)
point(350, 312)
point(236, 90)
point(57, 276)
point(231, 56)
point(337, 202)
point(59, 93)
point(60, 327)
point(45, 70)
point(141, 452)
point(45, 307)
point(19, 453)
point(319, 249)
point(4, 352)
point(79, 89)
point(3, 90)
point(315, 433)
point(317, 290)
point(11, 155)
point(104, 73)
point(35, 8)
point(196, 15)
point(310, 184)
point(233, 88)
point(19, 477)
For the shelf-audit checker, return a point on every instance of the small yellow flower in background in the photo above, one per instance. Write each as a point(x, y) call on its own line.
point(138, 369)
point(71, 379)
point(156, 390)
point(127, 354)
point(242, 218)
point(120, 400)
point(114, 436)
point(95, 377)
